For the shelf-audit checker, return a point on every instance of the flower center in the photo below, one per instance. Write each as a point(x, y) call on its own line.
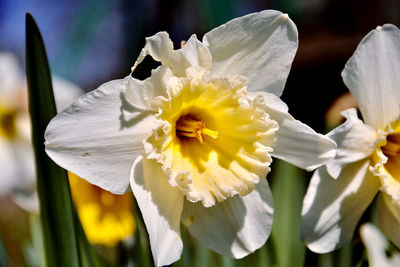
point(392, 151)
point(215, 142)
point(392, 147)
point(7, 123)
point(386, 160)
point(187, 126)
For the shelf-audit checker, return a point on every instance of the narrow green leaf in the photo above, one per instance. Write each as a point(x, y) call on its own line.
point(203, 255)
point(265, 256)
point(326, 260)
point(87, 255)
point(227, 262)
point(288, 187)
point(56, 209)
point(37, 238)
point(345, 256)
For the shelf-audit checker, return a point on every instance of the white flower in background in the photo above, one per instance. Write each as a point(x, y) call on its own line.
point(195, 138)
point(16, 156)
point(368, 155)
point(377, 245)
point(106, 218)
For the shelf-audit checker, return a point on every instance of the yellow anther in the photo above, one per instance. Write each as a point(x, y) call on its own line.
point(211, 133)
point(186, 126)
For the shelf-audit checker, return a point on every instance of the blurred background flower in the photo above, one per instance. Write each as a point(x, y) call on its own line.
point(106, 218)
point(16, 160)
point(17, 179)
point(90, 42)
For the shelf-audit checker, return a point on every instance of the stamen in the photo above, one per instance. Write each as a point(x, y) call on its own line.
point(186, 126)
point(211, 133)
point(391, 148)
point(183, 43)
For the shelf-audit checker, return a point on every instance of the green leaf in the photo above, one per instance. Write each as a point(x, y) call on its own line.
point(203, 255)
point(87, 255)
point(265, 255)
point(288, 187)
point(326, 260)
point(227, 262)
point(56, 209)
point(37, 238)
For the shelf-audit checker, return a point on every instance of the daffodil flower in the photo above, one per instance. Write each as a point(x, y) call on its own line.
point(377, 245)
point(17, 178)
point(106, 218)
point(195, 139)
point(367, 159)
point(14, 127)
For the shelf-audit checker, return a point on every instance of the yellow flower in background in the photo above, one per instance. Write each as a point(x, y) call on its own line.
point(106, 218)
point(195, 140)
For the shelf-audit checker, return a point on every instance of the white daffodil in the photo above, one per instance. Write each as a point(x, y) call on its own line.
point(195, 138)
point(367, 159)
point(376, 245)
point(16, 156)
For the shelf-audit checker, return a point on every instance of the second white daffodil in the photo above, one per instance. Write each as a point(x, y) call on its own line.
point(196, 137)
point(368, 155)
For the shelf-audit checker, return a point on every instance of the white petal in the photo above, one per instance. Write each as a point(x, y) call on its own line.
point(10, 74)
point(389, 218)
point(355, 141)
point(332, 208)
point(161, 206)
point(24, 163)
point(9, 167)
point(99, 136)
point(296, 142)
point(142, 93)
point(376, 245)
point(372, 75)
point(235, 227)
point(161, 48)
point(197, 53)
point(17, 166)
point(28, 202)
point(260, 46)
